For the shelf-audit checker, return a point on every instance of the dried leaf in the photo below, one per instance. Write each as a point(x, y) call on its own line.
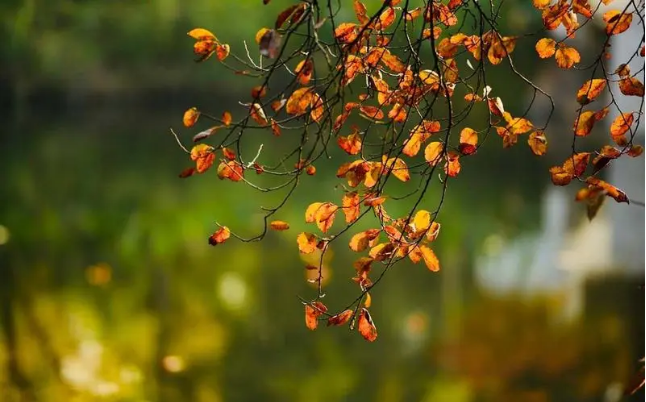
point(468, 141)
point(220, 236)
point(590, 90)
point(190, 117)
point(566, 57)
point(279, 225)
point(430, 259)
point(341, 318)
point(537, 143)
point(367, 328)
point(306, 242)
point(350, 204)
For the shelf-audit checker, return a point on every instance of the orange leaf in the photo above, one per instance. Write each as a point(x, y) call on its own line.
point(275, 128)
point(311, 211)
point(398, 113)
point(231, 170)
point(559, 176)
point(430, 259)
point(631, 86)
point(203, 156)
point(566, 57)
point(617, 22)
point(258, 91)
point(201, 34)
point(191, 116)
point(413, 144)
point(359, 242)
point(585, 122)
point(361, 12)
point(367, 327)
point(346, 32)
point(372, 112)
point(398, 168)
point(452, 166)
point(279, 225)
point(299, 101)
point(306, 242)
point(222, 51)
point(350, 204)
point(312, 313)
point(392, 62)
point(468, 141)
point(386, 18)
point(368, 301)
point(421, 223)
point(220, 236)
point(611, 190)
point(261, 32)
point(590, 90)
point(576, 164)
point(350, 144)
point(304, 71)
point(546, 48)
point(433, 231)
point(537, 143)
point(226, 118)
point(324, 216)
point(433, 153)
point(620, 126)
point(341, 318)
point(228, 153)
point(541, 4)
point(318, 108)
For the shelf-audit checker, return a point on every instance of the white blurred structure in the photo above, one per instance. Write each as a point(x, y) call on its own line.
point(559, 258)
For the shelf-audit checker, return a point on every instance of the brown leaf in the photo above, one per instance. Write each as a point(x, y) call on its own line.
point(279, 225)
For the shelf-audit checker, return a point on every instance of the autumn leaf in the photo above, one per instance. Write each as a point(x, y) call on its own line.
point(226, 118)
point(304, 71)
point(350, 144)
point(306, 242)
point(231, 170)
point(398, 168)
point(312, 313)
point(324, 216)
point(361, 12)
point(279, 225)
point(346, 32)
point(537, 143)
point(585, 122)
point(190, 117)
point(617, 22)
point(372, 112)
point(201, 34)
point(341, 318)
point(203, 156)
point(299, 101)
point(413, 144)
point(220, 236)
point(433, 153)
point(452, 166)
point(350, 204)
point(609, 189)
point(366, 326)
point(590, 90)
point(430, 259)
point(433, 231)
point(620, 126)
point(566, 57)
point(468, 141)
point(187, 172)
point(222, 51)
point(631, 86)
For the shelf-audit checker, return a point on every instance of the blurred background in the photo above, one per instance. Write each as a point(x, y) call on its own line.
point(109, 290)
